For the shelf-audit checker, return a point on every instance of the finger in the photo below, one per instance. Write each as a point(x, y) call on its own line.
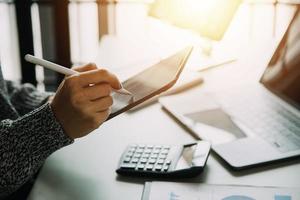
point(84, 68)
point(99, 76)
point(103, 115)
point(97, 91)
point(101, 104)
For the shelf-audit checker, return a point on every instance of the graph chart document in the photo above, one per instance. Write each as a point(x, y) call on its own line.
point(196, 191)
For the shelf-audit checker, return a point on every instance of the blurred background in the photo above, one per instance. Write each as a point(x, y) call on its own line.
point(131, 34)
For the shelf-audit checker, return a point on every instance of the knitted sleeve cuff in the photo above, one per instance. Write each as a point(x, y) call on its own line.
point(25, 145)
point(45, 135)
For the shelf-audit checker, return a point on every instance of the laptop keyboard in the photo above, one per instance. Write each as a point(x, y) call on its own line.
point(266, 117)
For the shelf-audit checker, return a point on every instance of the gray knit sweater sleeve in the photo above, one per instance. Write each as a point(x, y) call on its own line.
point(29, 133)
point(25, 143)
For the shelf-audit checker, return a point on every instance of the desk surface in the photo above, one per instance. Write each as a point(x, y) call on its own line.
point(86, 169)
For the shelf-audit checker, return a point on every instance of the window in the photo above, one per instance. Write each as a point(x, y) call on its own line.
point(9, 46)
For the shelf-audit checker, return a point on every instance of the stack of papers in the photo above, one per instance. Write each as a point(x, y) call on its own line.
point(196, 191)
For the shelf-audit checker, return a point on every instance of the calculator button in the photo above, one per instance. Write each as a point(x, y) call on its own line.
point(133, 145)
point(134, 160)
point(155, 155)
point(137, 155)
point(150, 146)
point(158, 147)
point(166, 167)
point(127, 160)
point(168, 162)
point(162, 156)
point(142, 146)
point(128, 166)
point(166, 147)
point(156, 151)
point(152, 161)
point(148, 151)
point(149, 167)
point(146, 155)
point(143, 160)
point(164, 151)
point(160, 161)
point(158, 167)
point(129, 154)
point(139, 151)
point(140, 166)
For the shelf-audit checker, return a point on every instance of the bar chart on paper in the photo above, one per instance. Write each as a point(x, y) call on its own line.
point(194, 191)
point(280, 197)
point(239, 197)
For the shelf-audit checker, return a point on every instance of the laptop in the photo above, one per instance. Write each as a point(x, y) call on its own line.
point(251, 125)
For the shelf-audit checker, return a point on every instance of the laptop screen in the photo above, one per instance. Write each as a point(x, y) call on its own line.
point(282, 75)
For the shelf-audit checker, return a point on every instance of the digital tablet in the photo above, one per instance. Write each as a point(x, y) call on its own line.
point(150, 82)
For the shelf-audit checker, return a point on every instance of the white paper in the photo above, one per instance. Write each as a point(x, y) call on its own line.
point(196, 191)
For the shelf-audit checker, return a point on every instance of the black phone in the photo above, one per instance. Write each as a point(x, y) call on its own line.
point(179, 161)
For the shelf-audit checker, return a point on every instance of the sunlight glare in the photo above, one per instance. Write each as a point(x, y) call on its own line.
point(210, 18)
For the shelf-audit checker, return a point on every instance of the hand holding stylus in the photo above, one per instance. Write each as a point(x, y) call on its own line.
point(81, 108)
point(83, 100)
point(63, 70)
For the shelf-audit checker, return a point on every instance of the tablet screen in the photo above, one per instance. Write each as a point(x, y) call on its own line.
point(150, 82)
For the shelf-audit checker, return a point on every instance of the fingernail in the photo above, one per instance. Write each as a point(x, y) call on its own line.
point(121, 86)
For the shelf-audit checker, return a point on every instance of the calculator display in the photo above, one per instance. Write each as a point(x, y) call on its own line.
point(186, 158)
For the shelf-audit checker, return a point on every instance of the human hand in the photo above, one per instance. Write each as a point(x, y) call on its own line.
point(82, 102)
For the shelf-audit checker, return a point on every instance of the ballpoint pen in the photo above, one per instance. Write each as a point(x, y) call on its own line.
point(62, 70)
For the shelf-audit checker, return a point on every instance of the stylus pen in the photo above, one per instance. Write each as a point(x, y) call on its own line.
point(62, 70)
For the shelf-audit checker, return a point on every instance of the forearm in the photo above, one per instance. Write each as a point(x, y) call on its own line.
point(25, 144)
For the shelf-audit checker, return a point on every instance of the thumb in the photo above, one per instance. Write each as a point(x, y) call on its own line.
point(85, 68)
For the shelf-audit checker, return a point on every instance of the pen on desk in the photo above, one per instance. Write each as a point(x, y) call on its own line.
point(62, 70)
